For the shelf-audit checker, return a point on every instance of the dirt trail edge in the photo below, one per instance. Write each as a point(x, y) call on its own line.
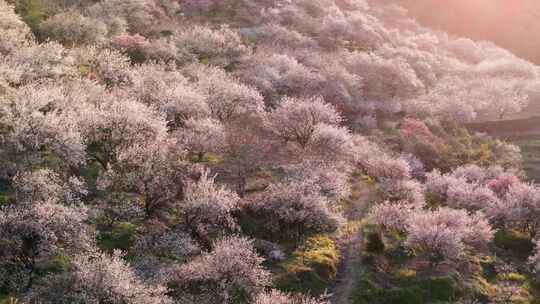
point(350, 267)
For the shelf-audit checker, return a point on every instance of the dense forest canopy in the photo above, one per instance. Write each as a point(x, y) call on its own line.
point(214, 151)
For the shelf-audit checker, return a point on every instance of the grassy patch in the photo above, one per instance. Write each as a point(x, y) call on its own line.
point(205, 158)
point(410, 291)
point(121, 236)
point(311, 268)
point(511, 277)
point(7, 299)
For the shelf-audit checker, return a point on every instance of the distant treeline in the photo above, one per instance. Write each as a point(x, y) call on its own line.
point(506, 23)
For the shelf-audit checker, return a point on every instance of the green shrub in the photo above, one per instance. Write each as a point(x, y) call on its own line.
point(90, 173)
point(252, 226)
point(58, 264)
point(440, 289)
point(121, 236)
point(6, 192)
point(31, 12)
point(5, 199)
point(374, 243)
point(515, 241)
point(512, 277)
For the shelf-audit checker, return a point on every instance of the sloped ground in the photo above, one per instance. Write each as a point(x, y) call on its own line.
point(350, 267)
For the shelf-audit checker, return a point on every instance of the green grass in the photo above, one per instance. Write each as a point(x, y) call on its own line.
point(410, 290)
point(311, 268)
point(7, 193)
point(7, 299)
point(207, 158)
point(121, 236)
point(511, 277)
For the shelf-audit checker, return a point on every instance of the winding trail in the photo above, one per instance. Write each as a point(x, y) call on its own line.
point(350, 267)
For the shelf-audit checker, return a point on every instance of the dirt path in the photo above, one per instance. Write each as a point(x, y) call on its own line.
point(350, 267)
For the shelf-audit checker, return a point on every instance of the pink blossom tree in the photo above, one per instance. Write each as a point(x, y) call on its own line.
point(277, 297)
point(278, 36)
point(385, 80)
point(154, 171)
point(465, 187)
point(120, 124)
point(202, 135)
point(382, 166)
point(208, 208)
point(140, 49)
point(109, 67)
point(221, 47)
point(99, 277)
point(392, 216)
point(38, 121)
point(14, 32)
point(156, 244)
point(279, 75)
point(403, 190)
point(294, 210)
point(227, 98)
point(247, 149)
point(46, 61)
point(109, 278)
point(166, 89)
point(46, 185)
point(502, 183)
point(331, 144)
point(332, 181)
point(297, 119)
point(134, 16)
point(534, 259)
point(33, 235)
point(71, 28)
point(231, 273)
point(518, 209)
point(340, 87)
point(444, 234)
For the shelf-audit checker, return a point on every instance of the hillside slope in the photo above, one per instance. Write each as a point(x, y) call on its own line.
point(205, 151)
